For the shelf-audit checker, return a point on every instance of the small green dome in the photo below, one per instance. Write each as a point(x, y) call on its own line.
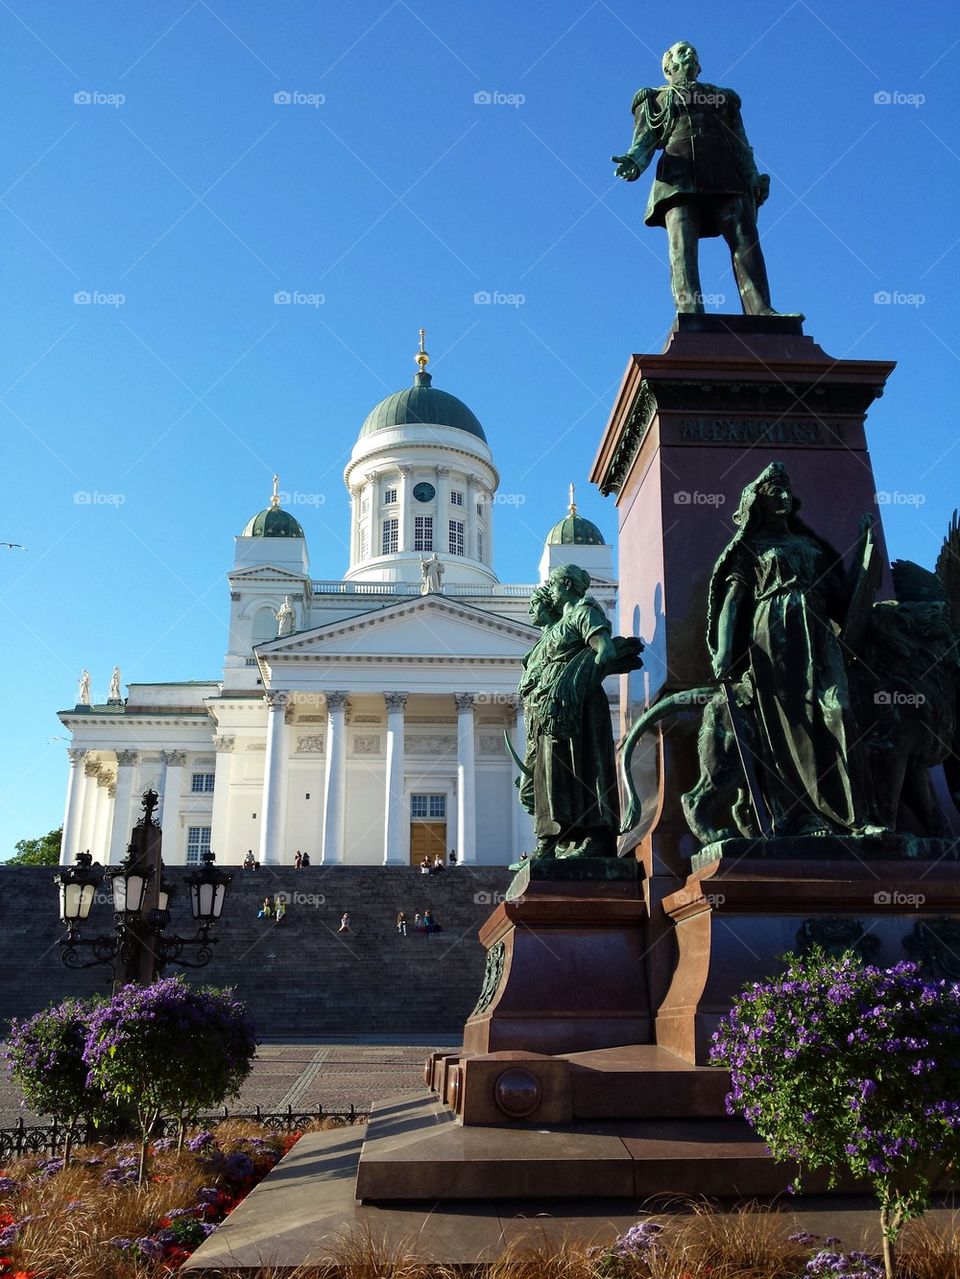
point(574, 530)
point(422, 404)
point(273, 522)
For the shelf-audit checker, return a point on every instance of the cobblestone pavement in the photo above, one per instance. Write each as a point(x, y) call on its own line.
point(305, 1076)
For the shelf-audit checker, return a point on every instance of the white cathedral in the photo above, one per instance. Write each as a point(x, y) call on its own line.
point(360, 720)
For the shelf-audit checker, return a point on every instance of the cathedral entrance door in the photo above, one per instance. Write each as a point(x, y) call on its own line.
point(427, 839)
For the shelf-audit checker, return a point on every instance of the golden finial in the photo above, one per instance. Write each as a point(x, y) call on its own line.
point(573, 505)
point(275, 499)
point(421, 357)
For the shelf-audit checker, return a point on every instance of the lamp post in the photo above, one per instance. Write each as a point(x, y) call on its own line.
point(139, 950)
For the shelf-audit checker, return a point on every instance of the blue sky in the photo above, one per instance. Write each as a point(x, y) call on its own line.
point(183, 188)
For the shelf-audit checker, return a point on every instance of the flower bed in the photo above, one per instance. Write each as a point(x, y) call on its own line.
point(91, 1220)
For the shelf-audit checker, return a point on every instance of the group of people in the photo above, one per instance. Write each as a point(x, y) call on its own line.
point(428, 867)
point(275, 909)
point(300, 860)
point(422, 923)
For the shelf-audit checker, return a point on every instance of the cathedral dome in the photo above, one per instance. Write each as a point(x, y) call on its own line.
point(574, 530)
point(422, 404)
point(272, 522)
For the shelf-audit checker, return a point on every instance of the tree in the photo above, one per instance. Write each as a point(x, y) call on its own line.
point(44, 851)
point(169, 1048)
point(841, 1065)
point(45, 1058)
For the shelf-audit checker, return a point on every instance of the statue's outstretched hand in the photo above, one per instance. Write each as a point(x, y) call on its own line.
point(627, 167)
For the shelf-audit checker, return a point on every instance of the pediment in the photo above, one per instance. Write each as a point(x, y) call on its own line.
point(426, 626)
point(265, 573)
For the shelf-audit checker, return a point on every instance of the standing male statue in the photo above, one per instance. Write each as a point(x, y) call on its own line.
point(83, 691)
point(431, 575)
point(707, 183)
point(114, 694)
point(286, 618)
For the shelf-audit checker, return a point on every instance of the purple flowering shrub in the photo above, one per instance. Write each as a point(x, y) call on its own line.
point(45, 1058)
point(841, 1065)
point(169, 1048)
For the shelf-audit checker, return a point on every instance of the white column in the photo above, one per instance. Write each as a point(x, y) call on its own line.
point(405, 530)
point(173, 851)
point(219, 833)
point(121, 825)
point(101, 820)
point(354, 524)
point(466, 781)
point(524, 839)
point(88, 812)
point(394, 825)
point(335, 781)
point(470, 497)
point(73, 807)
point(441, 529)
point(274, 779)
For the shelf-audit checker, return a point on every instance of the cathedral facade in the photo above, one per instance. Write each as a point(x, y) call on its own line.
point(361, 720)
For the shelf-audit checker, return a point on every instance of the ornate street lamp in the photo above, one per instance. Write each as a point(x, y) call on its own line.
point(78, 886)
point(141, 903)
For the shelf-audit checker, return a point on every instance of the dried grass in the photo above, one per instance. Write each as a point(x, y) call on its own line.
point(747, 1243)
point(931, 1252)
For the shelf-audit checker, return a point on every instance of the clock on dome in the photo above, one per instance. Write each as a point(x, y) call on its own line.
point(424, 492)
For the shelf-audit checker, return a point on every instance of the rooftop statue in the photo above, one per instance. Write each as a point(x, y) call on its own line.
point(706, 183)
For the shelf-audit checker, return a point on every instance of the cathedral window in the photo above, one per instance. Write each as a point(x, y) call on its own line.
point(456, 537)
point(364, 544)
point(202, 783)
point(456, 497)
point(390, 542)
point(423, 533)
point(389, 496)
point(480, 509)
point(427, 807)
point(198, 843)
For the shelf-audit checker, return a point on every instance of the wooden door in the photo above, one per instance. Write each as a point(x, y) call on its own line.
point(427, 839)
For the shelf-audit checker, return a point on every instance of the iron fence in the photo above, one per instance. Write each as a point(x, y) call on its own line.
point(49, 1139)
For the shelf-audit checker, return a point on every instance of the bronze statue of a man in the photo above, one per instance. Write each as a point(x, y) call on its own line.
point(707, 183)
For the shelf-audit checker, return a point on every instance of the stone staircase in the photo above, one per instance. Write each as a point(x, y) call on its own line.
point(300, 978)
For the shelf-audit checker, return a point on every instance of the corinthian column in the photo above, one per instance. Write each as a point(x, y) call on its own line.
point(335, 781)
point(173, 762)
point(394, 843)
point(120, 827)
point(466, 781)
point(73, 807)
point(274, 777)
point(223, 745)
point(88, 809)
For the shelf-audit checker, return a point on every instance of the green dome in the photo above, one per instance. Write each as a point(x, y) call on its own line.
point(574, 530)
point(272, 523)
point(422, 404)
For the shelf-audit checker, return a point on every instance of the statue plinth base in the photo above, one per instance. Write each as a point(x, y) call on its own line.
point(737, 915)
point(564, 962)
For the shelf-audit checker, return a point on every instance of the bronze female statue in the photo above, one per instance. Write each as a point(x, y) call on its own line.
point(777, 598)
